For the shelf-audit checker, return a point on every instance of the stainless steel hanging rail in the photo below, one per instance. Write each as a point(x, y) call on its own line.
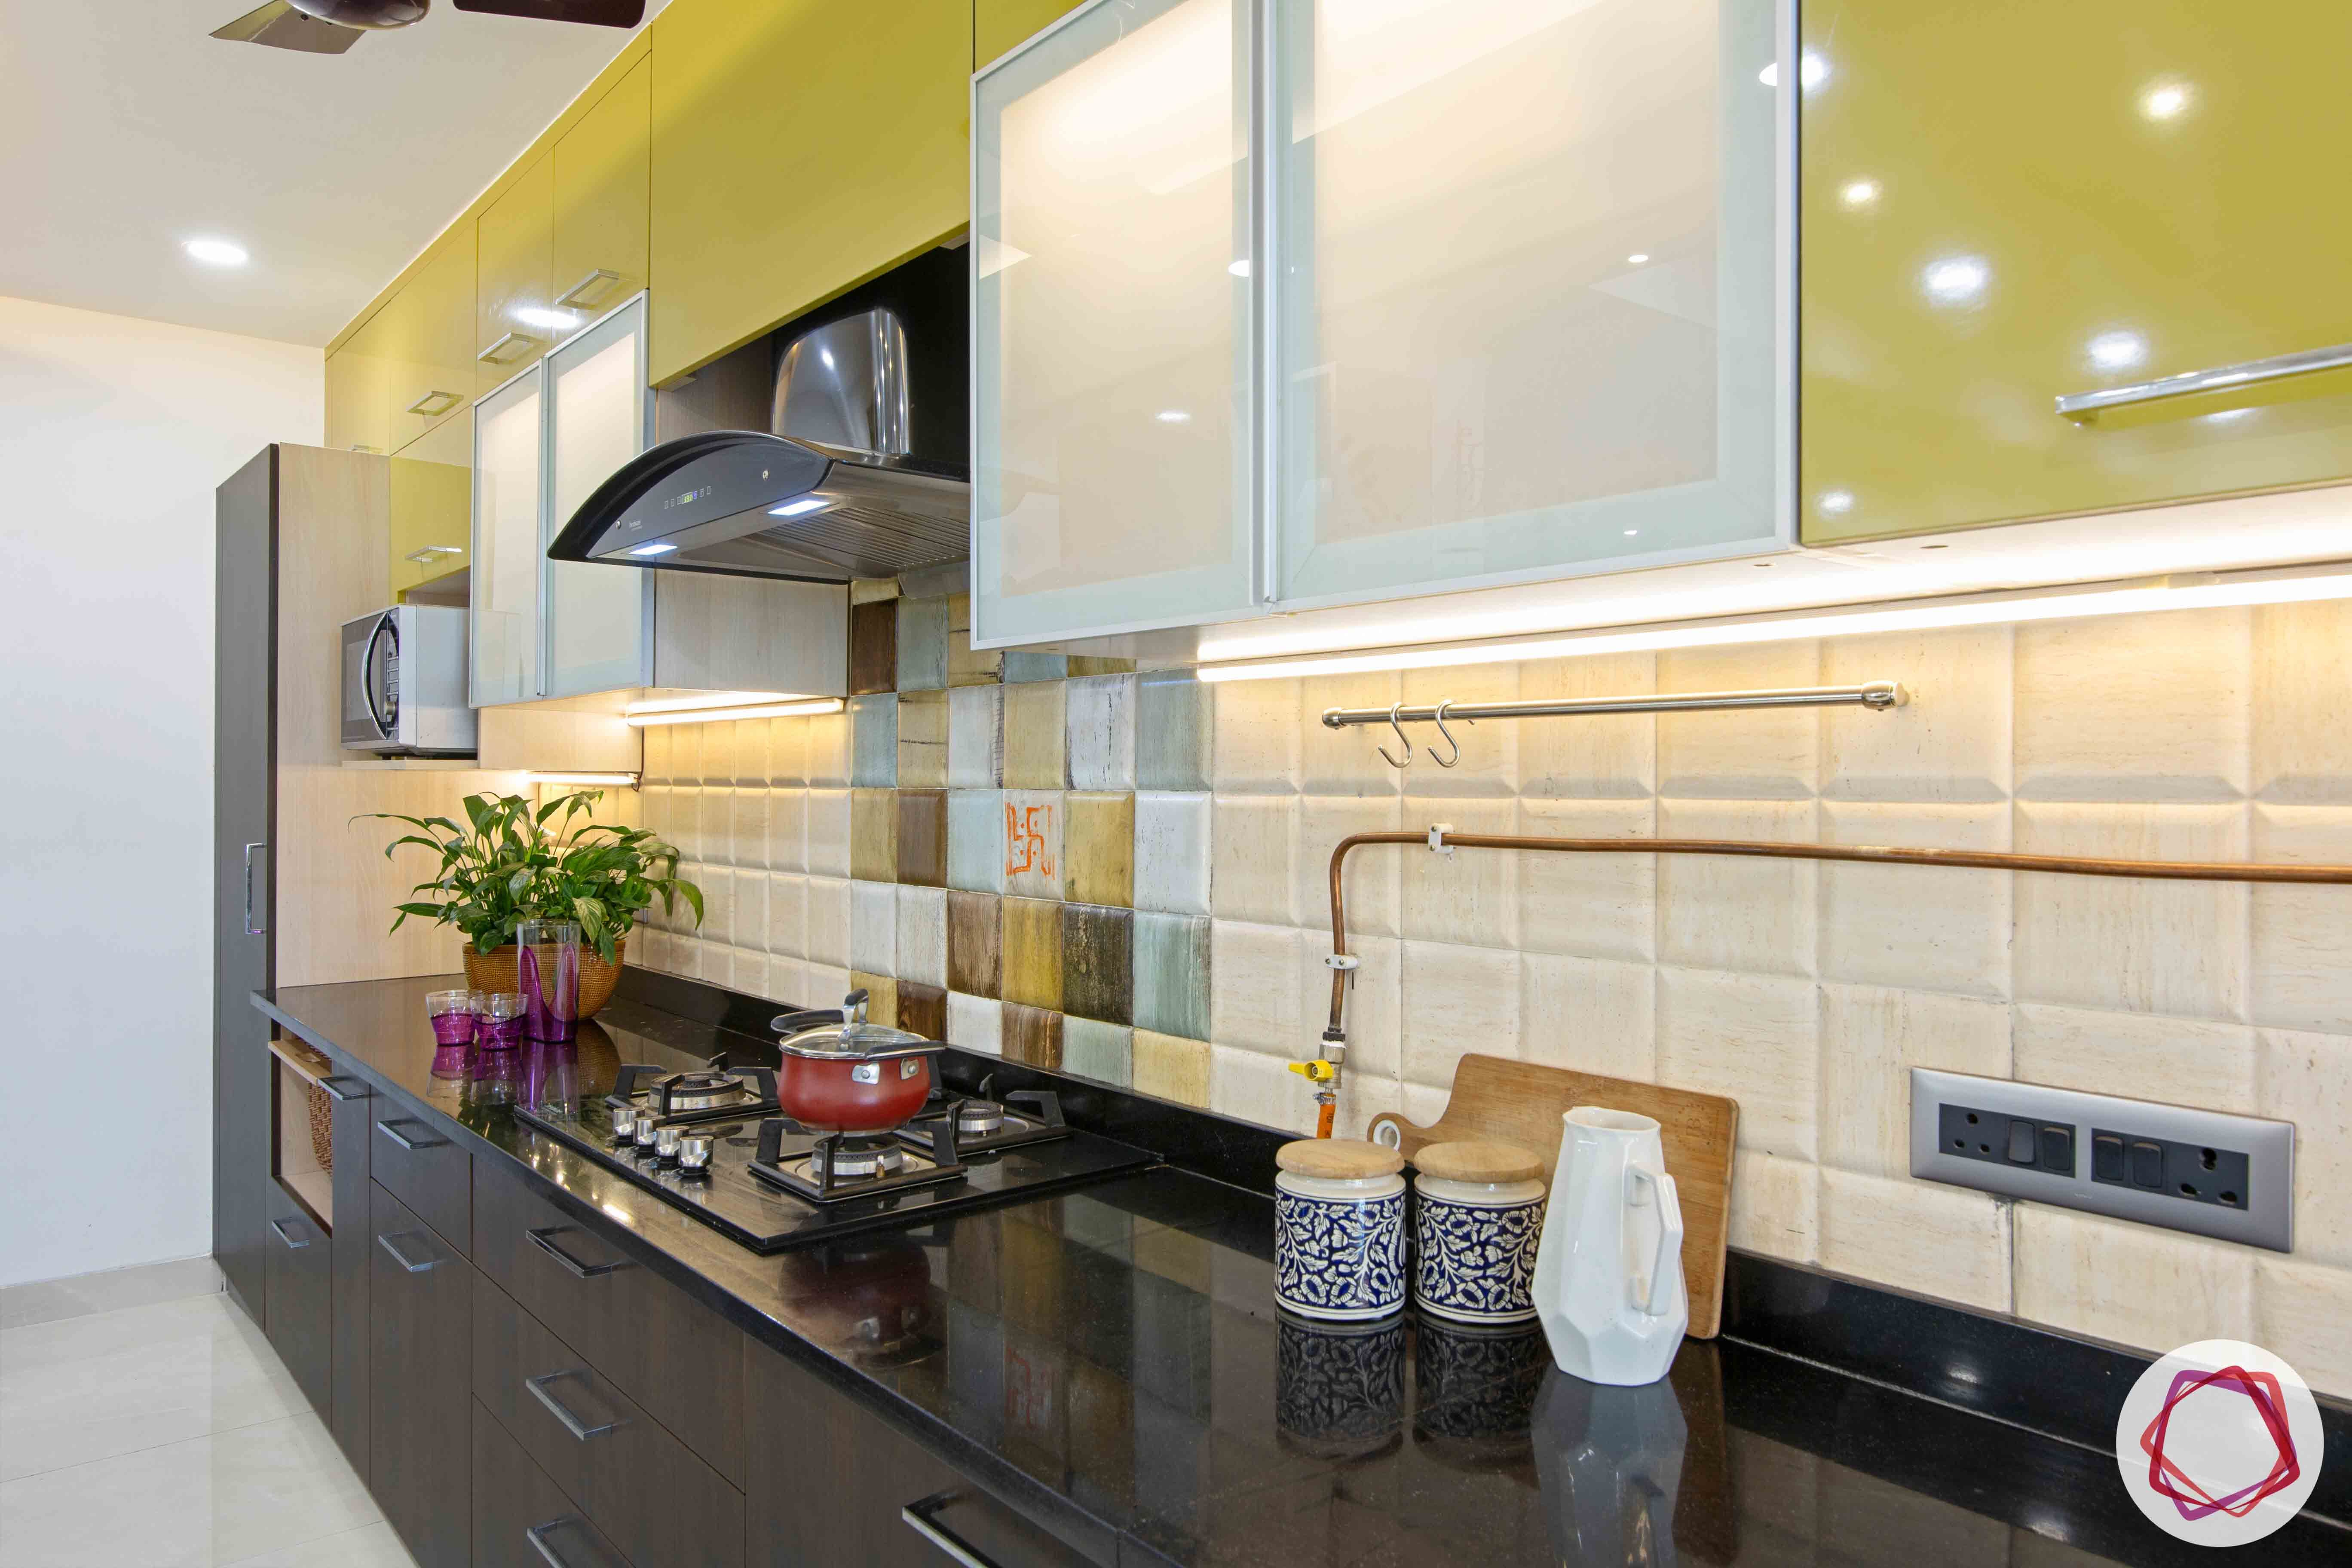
point(1869, 694)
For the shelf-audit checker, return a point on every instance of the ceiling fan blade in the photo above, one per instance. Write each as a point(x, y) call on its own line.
point(281, 26)
point(594, 13)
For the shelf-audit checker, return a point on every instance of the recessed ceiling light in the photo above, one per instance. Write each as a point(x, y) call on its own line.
point(1638, 257)
point(217, 252)
point(2165, 100)
point(1956, 279)
point(1859, 193)
point(2118, 351)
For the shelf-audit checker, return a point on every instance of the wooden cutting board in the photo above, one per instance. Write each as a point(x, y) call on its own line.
point(1521, 1102)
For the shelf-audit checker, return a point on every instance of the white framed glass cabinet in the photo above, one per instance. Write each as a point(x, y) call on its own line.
point(1508, 297)
point(502, 642)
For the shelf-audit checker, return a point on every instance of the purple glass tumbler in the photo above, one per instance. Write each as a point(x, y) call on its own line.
point(498, 1020)
point(548, 953)
point(452, 1013)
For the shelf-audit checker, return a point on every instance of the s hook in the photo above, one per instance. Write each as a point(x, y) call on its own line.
point(1447, 761)
point(1407, 761)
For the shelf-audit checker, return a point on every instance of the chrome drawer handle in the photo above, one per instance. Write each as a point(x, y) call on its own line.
point(413, 1145)
point(410, 1264)
point(557, 1408)
point(540, 1238)
point(292, 1245)
point(536, 1535)
point(250, 929)
point(2083, 405)
point(598, 278)
point(497, 354)
point(339, 1096)
point(917, 1517)
point(448, 400)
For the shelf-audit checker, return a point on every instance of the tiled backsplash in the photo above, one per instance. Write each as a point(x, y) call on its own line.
point(1124, 874)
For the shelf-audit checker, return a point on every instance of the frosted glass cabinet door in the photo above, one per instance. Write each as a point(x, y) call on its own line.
point(1111, 325)
point(597, 406)
point(503, 647)
point(1528, 253)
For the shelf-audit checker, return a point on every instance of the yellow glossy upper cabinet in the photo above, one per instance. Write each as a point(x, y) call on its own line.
point(426, 334)
point(515, 317)
point(602, 227)
point(2006, 204)
point(359, 392)
point(799, 147)
point(432, 488)
point(997, 25)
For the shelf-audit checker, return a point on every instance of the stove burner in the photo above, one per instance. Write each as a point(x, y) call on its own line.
point(982, 1124)
point(856, 1165)
point(696, 1096)
point(978, 1118)
point(855, 1157)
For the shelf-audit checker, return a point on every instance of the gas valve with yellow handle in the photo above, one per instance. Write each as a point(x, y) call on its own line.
point(1317, 1071)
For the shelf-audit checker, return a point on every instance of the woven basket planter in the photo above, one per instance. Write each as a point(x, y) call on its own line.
point(500, 969)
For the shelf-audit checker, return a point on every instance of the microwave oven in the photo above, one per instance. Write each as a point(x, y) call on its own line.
point(404, 682)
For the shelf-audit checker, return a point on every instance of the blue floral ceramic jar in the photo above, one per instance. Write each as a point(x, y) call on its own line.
point(1475, 1229)
point(1338, 1236)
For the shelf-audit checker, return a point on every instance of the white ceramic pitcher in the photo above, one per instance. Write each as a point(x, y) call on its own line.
point(1608, 1273)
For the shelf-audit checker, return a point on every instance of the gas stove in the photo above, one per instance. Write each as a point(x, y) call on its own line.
point(1024, 1116)
point(712, 1092)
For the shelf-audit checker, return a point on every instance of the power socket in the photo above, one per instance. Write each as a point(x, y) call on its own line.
point(2209, 1173)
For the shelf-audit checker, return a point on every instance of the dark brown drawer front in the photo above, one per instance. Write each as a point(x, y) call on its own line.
point(424, 1169)
point(420, 1304)
point(522, 1518)
point(300, 1315)
point(639, 1484)
point(681, 1361)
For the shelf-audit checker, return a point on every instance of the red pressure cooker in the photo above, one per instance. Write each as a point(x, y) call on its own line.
point(842, 1074)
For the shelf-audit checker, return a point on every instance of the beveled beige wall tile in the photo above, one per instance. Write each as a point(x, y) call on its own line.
point(788, 752)
point(1469, 897)
point(1935, 928)
point(1036, 746)
point(788, 915)
point(658, 767)
point(1593, 1015)
point(747, 828)
point(1362, 1097)
point(825, 984)
point(2134, 1283)
point(1920, 1236)
point(1716, 911)
point(2303, 1314)
point(828, 940)
point(717, 752)
point(684, 753)
point(2307, 1078)
point(1171, 852)
point(1253, 748)
point(976, 1022)
point(1371, 868)
point(1172, 1068)
point(2192, 1061)
point(2302, 936)
point(1260, 1089)
point(2134, 707)
point(1100, 714)
point(1776, 1205)
point(2137, 946)
point(786, 829)
point(718, 885)
point(1754, 1038)
point(1871, 1038)
point(1604, 758)
point(748, 925)
point(1771, 753)
point(828, 751)
point(1591, 905)
point(828, 832)
point(1255, 1002)
point(1342, 761)
point(1452, 1000)
point(1251, 842)
point(874, 927)
point(1375, 1000)
point(1490, 766)
point(1949, 742)
point(2302, 746)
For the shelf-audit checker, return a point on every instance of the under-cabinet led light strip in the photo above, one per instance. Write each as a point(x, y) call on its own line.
point(608, 780)
point(2202, 589)
point(794, 708)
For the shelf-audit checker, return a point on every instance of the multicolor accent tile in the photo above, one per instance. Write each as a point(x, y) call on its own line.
point(1025, 666)
point(1172, 853)
point(922, 644)
point(873, 741)
point(1105, 1052)
point(881, 996)
point(1171, 732)
point(976, 1022)
point(1031, 953)
point(874, 647)
point(874, 927)
point(923, 838)
point(1035, 746)
point(874, 835)
point(1171, 974)
point(923, 740)
point(1171, 1068)
point(976, 840)
point(1100, 716)
point(922, 1010)
point(1082, 665)
point(974, 942)
point(976, 737)
point(1032, 1035)
point(922, 944)
point(1097, 963)
point(1099, 849)
point(1031, 843)
point(966, 667)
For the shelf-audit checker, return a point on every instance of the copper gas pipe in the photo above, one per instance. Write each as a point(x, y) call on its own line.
point(1335, 1036)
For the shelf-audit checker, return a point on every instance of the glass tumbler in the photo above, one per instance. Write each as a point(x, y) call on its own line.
point(498, 1020)
point(547, 954)
point(452, 1013)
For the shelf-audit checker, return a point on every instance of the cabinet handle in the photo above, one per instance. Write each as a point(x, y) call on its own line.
point(2084, 406)
point(292, 1245)
point(598, 279)
point(250, 929)
point(450, 400)
point(557, 1408)
point(541, 1239)
point(917, 1517)
point(497, 354)
point(413, 1145)
point(403, 1259)
point(342, 1097)
point(536, 1535)
point(432, 553)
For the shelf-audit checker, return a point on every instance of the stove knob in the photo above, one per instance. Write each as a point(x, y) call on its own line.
point(666, 1140)
point(694, 1151)
point(624, 1123)
point(646, 1130)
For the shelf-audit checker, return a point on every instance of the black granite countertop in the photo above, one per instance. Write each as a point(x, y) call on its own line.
point(1111, 1361)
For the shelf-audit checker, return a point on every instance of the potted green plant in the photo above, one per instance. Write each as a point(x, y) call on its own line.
point(507, 865)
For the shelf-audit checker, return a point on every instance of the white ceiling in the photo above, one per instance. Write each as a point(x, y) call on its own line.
point(124, 129)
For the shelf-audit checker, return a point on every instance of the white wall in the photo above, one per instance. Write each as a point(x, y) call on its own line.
point(113, 432)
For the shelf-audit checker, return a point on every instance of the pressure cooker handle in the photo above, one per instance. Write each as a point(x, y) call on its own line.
point(851, 1011)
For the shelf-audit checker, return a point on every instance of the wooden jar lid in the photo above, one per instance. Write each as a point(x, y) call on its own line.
point(1481, 1162)
point(1337, 1159)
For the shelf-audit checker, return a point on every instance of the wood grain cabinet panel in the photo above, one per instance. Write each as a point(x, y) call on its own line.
point(420, 1312)
point(424, 1169)
point(521, 1516)
point(302, 1286)
point(515, 318)
point(354, 1242)
point(799, 148)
